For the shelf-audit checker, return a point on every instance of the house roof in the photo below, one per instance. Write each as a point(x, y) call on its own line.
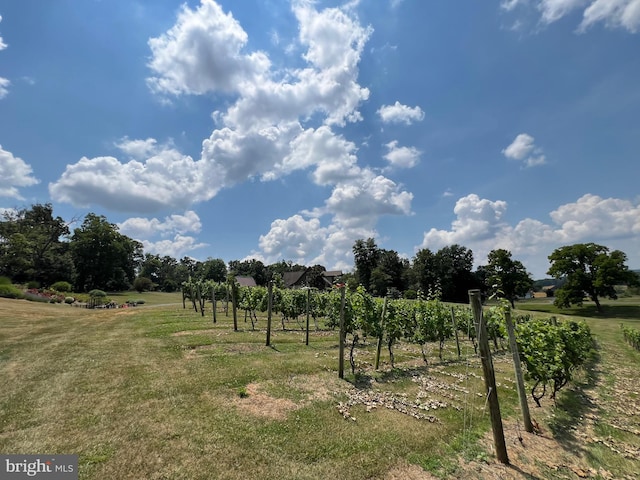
point(291, 278)
point(246, 281)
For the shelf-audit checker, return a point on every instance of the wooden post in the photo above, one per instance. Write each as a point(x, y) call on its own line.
point(234, 300)
point(269, 306)
point(522, 394)
point(184, 305)
point(489, 377)
point(200, 299)
point(455, 329)
point(342, 335)
point(381, 337)
point(213, 301)
point(226, 304)
point(306, 342)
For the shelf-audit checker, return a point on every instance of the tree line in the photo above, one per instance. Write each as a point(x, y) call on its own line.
point(40, 248)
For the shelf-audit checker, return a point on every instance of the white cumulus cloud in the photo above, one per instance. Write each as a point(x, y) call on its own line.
point(480, 226)
point(399, 113)
point(14, 173)
point(402, 157)
point(524, 149)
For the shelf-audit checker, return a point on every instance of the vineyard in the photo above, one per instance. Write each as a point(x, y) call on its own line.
point(550, 350)
point(199, 392)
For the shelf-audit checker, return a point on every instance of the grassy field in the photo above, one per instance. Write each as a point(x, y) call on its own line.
point(158, 392)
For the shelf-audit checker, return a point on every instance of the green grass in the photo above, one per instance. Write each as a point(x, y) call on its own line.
point(158, 391)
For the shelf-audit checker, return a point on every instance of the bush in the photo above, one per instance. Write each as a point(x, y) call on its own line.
point(61, 287)
point(69, 300)
point(9, 291)
point(35, 297)
point(5, 281)
point(142, 284)
point(33, 284)
point(97, 293)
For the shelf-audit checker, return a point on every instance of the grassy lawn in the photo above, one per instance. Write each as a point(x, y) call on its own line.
point(158, 392)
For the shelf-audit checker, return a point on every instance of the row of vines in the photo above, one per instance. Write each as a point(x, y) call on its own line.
point(631, 336)
point(551, 350)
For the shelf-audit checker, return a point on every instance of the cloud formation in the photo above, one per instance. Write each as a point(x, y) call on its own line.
point(165, 237)
point(399, 113)
point(14, 173)
point(480, 225)
point(623, 14)
point(524, 149)
point(402, 157)
point(277, 121)
point(4, 83)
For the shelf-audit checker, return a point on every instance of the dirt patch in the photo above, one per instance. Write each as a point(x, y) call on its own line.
point(307, 389)
point(531, 455)
point(260, 404)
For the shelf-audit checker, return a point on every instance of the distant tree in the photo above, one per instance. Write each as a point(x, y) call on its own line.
point(33, 246)
point(453, 266)
point(104, 258)
point(142, 284)
point(389, 273)
point(250, 268)
point(212, 269)
point(315, 277)
point(505, 277)
point(366, 255)
point(281, 267)
point(424, 276)
point(590, 271)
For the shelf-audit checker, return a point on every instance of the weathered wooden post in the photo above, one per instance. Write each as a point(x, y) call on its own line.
point(213, 301)
point(522, 394)
point(455, 329)
point(489, 377)
point(269, 307)
point(306, 342)
point(234, 300)
point(381, 337)
point(342, 335)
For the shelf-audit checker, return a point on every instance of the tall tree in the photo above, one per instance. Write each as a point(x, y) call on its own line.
point(505, 277)
point(250, 268)
point(389, 274)
point(32, 246)
point(453, 265)
point(423, 272)
point(366, 255)
point(591, 271)
point(212, 269)
point(104, 258)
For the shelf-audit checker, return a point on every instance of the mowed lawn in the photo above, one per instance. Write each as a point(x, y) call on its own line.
point(159, 392)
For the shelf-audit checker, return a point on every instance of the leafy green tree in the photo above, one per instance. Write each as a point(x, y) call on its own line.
point(212, 269)
point(506, 278)
point(389, 274)
point(250, 268)
point(142, 284)
point(423, 272)
point(104, 258)
point(366, 255)
point(32, 246)
point(590, 271)
point(453, 267)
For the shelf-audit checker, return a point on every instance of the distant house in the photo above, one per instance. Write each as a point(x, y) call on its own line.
point(299, 279)
point(246, 281)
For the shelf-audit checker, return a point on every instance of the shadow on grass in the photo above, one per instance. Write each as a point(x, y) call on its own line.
point(575, 403)
point(588, 311)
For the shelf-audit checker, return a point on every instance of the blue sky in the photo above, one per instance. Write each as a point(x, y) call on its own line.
point(287, 130)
